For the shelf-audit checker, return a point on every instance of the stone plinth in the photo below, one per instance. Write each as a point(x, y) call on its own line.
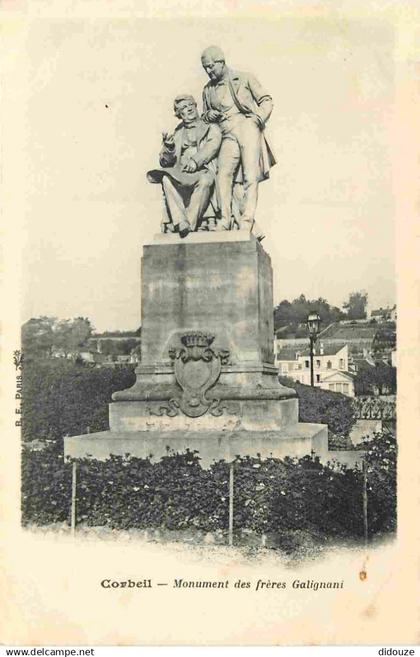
point(218, 284)
point(223, 287)
point(207, 377)
point(297, 440)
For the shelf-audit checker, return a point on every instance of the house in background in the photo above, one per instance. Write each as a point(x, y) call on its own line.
point(331, 366)
point(384, 314)
point(339, 382)
point(115, 342)
point(109, 349)
point(359, 361)
point(292, 344)
point(113, 348)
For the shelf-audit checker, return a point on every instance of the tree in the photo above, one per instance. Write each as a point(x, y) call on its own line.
point(71, 335)
point(356, 305)
point(378, 379)
point(122, 347)
point(294, 314)
point(41, 334)
point(38, 336)
point(385, 339)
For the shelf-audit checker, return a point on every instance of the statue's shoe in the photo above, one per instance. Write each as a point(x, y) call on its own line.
point(184, 229)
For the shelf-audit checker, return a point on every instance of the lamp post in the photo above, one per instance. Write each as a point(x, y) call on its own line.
point(313, 322)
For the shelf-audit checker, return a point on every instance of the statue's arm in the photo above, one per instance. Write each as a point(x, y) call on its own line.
point(206, 107)
point(261, 97)
point(210, 148)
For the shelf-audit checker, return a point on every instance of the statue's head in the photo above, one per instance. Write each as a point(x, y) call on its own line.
point(185, 108)
point(213, 61)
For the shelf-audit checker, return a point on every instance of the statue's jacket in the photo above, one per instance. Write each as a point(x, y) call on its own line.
point(209, 138)
point(251, 99)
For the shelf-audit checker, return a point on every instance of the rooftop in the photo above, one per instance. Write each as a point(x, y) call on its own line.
point(327, 349)
point(289, 352)
point(339, 374)
point(349, 332)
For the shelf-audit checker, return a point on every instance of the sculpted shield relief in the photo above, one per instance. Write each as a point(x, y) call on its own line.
point(197, 367)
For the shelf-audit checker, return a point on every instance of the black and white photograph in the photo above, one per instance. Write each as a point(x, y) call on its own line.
point(208, 445)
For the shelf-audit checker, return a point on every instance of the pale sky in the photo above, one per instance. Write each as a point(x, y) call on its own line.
point(93, 98)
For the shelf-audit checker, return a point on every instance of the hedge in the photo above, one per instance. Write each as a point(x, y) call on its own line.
point(271, 495)
point(64, 398)
point(381, 460)
point(323, 406)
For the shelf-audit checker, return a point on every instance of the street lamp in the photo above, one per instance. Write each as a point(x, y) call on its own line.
point(313, 322)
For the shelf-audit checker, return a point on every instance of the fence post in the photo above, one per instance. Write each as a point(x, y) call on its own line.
point(73, 497)
point(231, 504)
point(365, 502)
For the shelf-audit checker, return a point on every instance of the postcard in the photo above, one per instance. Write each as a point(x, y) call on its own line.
point(210, 330)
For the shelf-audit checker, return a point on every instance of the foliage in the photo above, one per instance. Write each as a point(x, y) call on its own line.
point(46, 485)
point(379, 379)
point(40, 335)
point(385, 338)
point(64, 398)
point(381, 459)
point(118, 334)
point(118, 347)
point(324, 407)
point(61, 397)
point(322, 498)
point(293, 315)
point(339, 442)
point(356, 305)
point(71, 335)
point(271, 495)
point(125, 492)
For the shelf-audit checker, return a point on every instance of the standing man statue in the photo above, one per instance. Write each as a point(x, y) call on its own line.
point(188, 167)
point(238, 104)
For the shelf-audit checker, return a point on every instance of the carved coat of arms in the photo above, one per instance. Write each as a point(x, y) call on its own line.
point(197, 368)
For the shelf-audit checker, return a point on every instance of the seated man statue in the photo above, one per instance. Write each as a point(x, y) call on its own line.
point(188, 168)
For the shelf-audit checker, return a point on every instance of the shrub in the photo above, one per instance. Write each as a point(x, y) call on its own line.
point(339, 442)
point(381, 460)
point(320, 498)
point(46, 485)
point(270, 495)
point(324, 407)
point(125, 492)
point(64, 398)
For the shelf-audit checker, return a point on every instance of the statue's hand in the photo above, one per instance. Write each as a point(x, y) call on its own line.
point(190, 166)
point(168, 140)
point(213, 116)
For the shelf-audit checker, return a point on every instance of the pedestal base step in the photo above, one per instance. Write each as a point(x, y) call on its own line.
point(297, 440)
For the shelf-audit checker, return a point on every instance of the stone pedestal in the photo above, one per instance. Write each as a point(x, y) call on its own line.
point(207, 377)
